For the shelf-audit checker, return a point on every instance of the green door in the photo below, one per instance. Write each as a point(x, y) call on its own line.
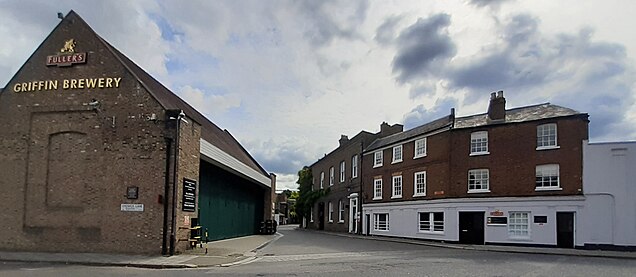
point(229, 206)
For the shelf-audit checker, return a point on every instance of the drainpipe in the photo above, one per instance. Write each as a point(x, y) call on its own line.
point(173, 229)
point(166, 190)
point(361, 196)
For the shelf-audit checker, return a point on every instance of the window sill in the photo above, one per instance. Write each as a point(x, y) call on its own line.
point(396, 197)
point(377, 198)
point(380, 230)
point(420, 156)
point(377, 165)
point(431, 232)
point(549, 189)
point(419, 195)
point(520, 238)
point(396, 162)
point(479, 154)
point(548, 147)
point(479, 191)
point(341, 222)
point(330, 221)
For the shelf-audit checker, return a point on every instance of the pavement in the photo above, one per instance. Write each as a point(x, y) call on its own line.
point(495, 248)
point(241, 250)
point(219, 253)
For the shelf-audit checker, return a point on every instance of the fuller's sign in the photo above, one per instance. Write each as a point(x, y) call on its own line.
point(67, 55)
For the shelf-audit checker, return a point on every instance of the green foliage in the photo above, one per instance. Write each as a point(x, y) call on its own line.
point(307, 197)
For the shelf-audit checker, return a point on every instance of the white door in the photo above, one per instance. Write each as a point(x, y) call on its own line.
point(353, 214)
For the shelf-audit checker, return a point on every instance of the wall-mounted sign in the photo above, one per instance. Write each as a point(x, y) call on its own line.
point(83, 83)
point(67, 55)
point(497, 213)
point(189, 195)
point(540, 219)
point(132, 207)
point(132, 192)
point(497, 220)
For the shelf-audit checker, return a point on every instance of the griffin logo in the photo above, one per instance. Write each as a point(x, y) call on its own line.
point(67, 55)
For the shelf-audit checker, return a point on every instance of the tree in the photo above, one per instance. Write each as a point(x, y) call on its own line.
point(306, 196)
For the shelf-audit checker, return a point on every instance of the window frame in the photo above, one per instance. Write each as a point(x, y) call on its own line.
point(377, 221)
point(322, 179)
point(378, 158)
point(354, 166)
point(415, 183)
point(330, 212)
point(394, 194)
point(514, 223)
point(432, 223)
point(341, 212)
point(475, 138)
point(547, 168)
point(397, 149)
point(377, 186)
point(541, 135)
point(331, 176)
point(343, 166)
point(425, 147)
point(480, 171)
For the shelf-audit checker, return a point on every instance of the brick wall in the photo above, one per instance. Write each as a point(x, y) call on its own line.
point(66, 165)
point(513, 158)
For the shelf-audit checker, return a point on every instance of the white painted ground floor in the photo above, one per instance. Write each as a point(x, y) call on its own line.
point(549, 221)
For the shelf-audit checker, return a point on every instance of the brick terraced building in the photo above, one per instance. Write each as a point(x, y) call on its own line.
point(98, 156)
point(339, 171)
point(504, 177)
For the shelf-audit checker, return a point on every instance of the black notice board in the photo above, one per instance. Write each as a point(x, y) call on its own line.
point(497, 220)
point(189, 195)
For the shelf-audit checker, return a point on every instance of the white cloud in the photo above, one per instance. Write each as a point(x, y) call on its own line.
point(207, 103)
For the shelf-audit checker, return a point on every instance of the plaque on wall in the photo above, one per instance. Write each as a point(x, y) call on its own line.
point(189, 195)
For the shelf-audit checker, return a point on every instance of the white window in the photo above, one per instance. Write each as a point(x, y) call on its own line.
point(478, 180)
point(420, 183)
point(548, 177)
point(432, 222)
point(342, 171)
point(354, 166)
point(377, 189)
point(547, 136)
point(340, 211)
point(331, 176)
point(322, 179)
point(377, 161)
point(397, 154)
point(420, 148)
point(330, 212)
point(311, 214)
point(518, 224)
point(397, 187)
point(381, 222)
point(479, 143)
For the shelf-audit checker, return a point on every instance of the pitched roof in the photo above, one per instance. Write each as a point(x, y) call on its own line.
point(516, 115)
point(434, 125)
point(355, 139)
point(170, 101)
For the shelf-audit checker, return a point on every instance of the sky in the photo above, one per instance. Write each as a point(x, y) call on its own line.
point(288, 77)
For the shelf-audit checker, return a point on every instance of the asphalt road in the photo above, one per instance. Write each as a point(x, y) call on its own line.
point(303, 253)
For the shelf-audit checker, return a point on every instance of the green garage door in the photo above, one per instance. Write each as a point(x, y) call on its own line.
point(229, 206)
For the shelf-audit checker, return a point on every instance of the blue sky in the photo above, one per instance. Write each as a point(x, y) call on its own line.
point(287, 78)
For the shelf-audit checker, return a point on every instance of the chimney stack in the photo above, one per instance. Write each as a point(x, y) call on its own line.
point(343, 139)
point(497, 107)
point(387, 130)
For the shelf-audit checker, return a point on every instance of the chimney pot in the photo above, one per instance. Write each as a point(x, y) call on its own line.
point(497, 106)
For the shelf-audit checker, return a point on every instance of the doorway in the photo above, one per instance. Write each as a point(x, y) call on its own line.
point(565, 229)
point(353, 214)
point(471, 227)
point(321, 216)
